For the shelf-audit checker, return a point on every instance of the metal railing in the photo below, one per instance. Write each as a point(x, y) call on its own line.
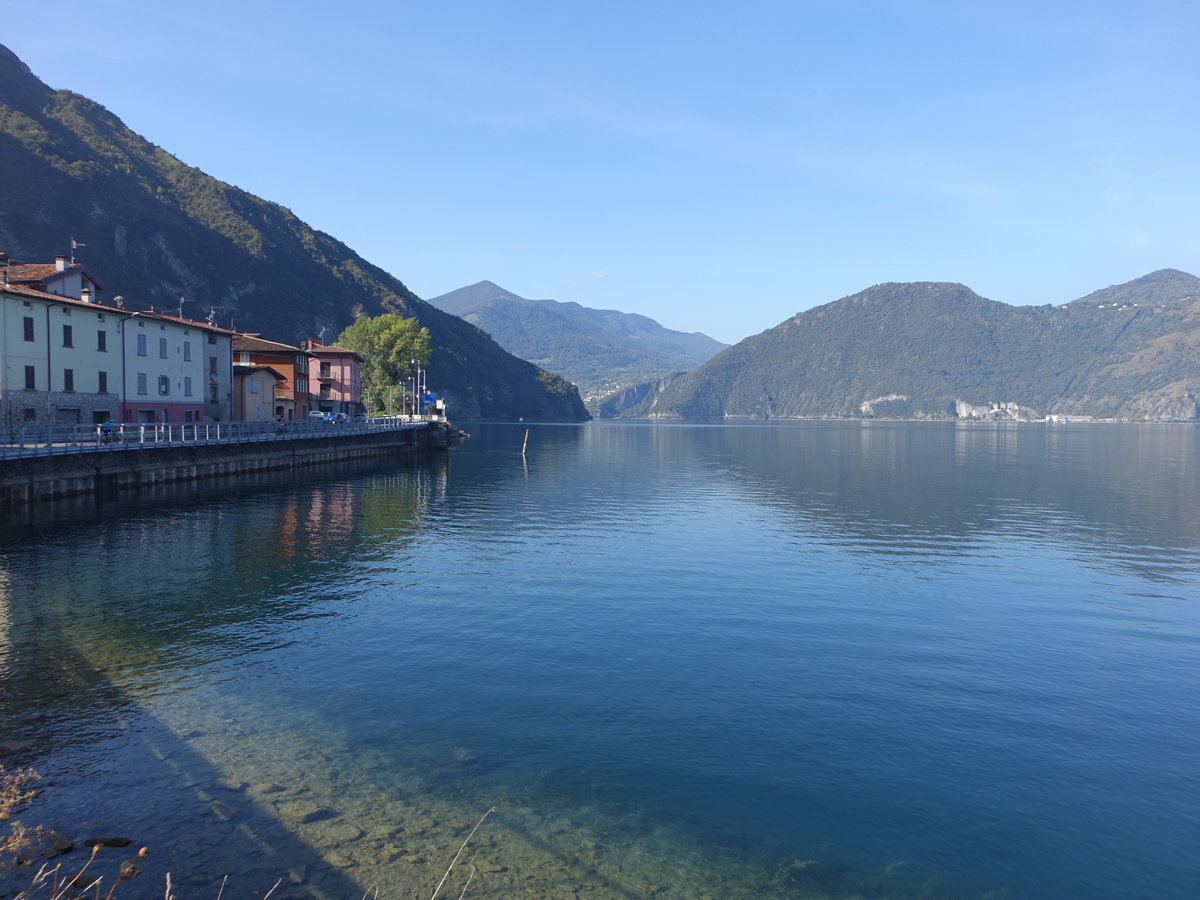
point(20, 442)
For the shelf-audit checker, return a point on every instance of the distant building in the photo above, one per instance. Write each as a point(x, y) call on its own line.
point(338, 378)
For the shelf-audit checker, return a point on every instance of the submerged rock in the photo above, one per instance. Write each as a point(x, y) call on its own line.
point(302, 813)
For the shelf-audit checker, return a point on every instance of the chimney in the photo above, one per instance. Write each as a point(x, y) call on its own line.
point(85, 294)
point(60, 264)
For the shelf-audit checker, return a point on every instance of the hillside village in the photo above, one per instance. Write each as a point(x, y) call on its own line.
point(70, 359)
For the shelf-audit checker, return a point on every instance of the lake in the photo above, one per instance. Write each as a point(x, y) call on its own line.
point(814, 659)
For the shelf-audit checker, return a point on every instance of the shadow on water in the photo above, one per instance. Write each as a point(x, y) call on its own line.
point(94, 607)
point(198, 825)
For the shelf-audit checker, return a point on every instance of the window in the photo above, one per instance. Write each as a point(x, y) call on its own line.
point(103, 386)
point(254, 385)
point(68, 379)
point(212, 338)
point(31, 378)
point(212, 365)
point(102, 341)
point(141, 382)
point(325, 370)
point(164, 385)
point(325, 392)
point(68, 337)
point(29, 328)
point(162, 348)
point(187, 385)
point(187, 351)
point(30, 415)
point(212, 394)
point(141, 351)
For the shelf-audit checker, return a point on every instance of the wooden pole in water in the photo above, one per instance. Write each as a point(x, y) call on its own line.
point(525, 442)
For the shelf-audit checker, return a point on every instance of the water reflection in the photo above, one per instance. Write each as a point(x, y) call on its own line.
point(684, 660)
point(1118, 493)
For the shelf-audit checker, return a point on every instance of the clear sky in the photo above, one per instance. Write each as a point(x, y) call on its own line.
point(718, 166)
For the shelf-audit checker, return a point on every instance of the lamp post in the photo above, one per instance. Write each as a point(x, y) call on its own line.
point(420, 392)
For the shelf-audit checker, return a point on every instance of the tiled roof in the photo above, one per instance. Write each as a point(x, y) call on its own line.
point(22, 290)
point(253, 343)
point(26, 291)
point(331, 349)
point(40, 273)
point(247, 368)
point(191, 323)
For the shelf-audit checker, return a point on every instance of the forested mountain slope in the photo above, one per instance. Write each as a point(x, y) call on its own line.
point(600, 350)
point(156, 230)
point(926, 349)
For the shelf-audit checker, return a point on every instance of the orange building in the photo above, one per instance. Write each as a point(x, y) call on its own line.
point(292, 400)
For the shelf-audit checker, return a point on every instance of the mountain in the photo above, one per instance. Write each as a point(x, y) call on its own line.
point(1130, 351)
point(155, 230)
point(600, 350)
point(635, 401)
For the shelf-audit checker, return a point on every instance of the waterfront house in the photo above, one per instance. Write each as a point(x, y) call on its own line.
point(291, 395)
point(254, 392)
point(337, 378)
point(60, 353)
point(176, 370)
point(66, 358)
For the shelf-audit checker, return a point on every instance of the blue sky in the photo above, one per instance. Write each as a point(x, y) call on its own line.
point(717, 166)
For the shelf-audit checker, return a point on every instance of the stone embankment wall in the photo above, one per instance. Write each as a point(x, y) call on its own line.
point(25, 481)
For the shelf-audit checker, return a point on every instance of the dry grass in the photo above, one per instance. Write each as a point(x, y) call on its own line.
point(17, 790)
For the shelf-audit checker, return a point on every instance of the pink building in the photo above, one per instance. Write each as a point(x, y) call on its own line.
point(336, 378)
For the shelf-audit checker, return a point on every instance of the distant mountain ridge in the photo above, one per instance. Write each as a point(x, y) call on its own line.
point(154, 229)
point(600, 350)
point(925, 350)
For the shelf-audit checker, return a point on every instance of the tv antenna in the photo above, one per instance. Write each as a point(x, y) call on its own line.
point(183, 300)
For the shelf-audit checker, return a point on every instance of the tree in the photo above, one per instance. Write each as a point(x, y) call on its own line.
point(391, 347)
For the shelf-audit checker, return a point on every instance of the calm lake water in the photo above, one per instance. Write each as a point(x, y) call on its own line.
point(799, 660)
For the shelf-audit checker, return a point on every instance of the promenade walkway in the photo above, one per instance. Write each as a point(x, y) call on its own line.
point(64, 440)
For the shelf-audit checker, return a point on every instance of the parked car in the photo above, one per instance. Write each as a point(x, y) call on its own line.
point(317, 415)
point(339, 418)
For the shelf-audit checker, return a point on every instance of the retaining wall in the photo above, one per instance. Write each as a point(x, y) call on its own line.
point(105, 471)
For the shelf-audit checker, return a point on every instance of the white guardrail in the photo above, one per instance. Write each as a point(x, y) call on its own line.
point(21, 442)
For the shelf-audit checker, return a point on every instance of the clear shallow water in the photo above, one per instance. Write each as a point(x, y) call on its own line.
point(821, 659)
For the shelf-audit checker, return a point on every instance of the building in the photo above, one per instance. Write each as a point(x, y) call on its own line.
point(254, 393)
point(338, 378)
point(175, 370)
point(66, 358)
point(60, 353)
point(290, 396)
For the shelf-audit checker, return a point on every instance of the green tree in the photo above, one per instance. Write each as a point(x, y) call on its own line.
point(391, 347)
